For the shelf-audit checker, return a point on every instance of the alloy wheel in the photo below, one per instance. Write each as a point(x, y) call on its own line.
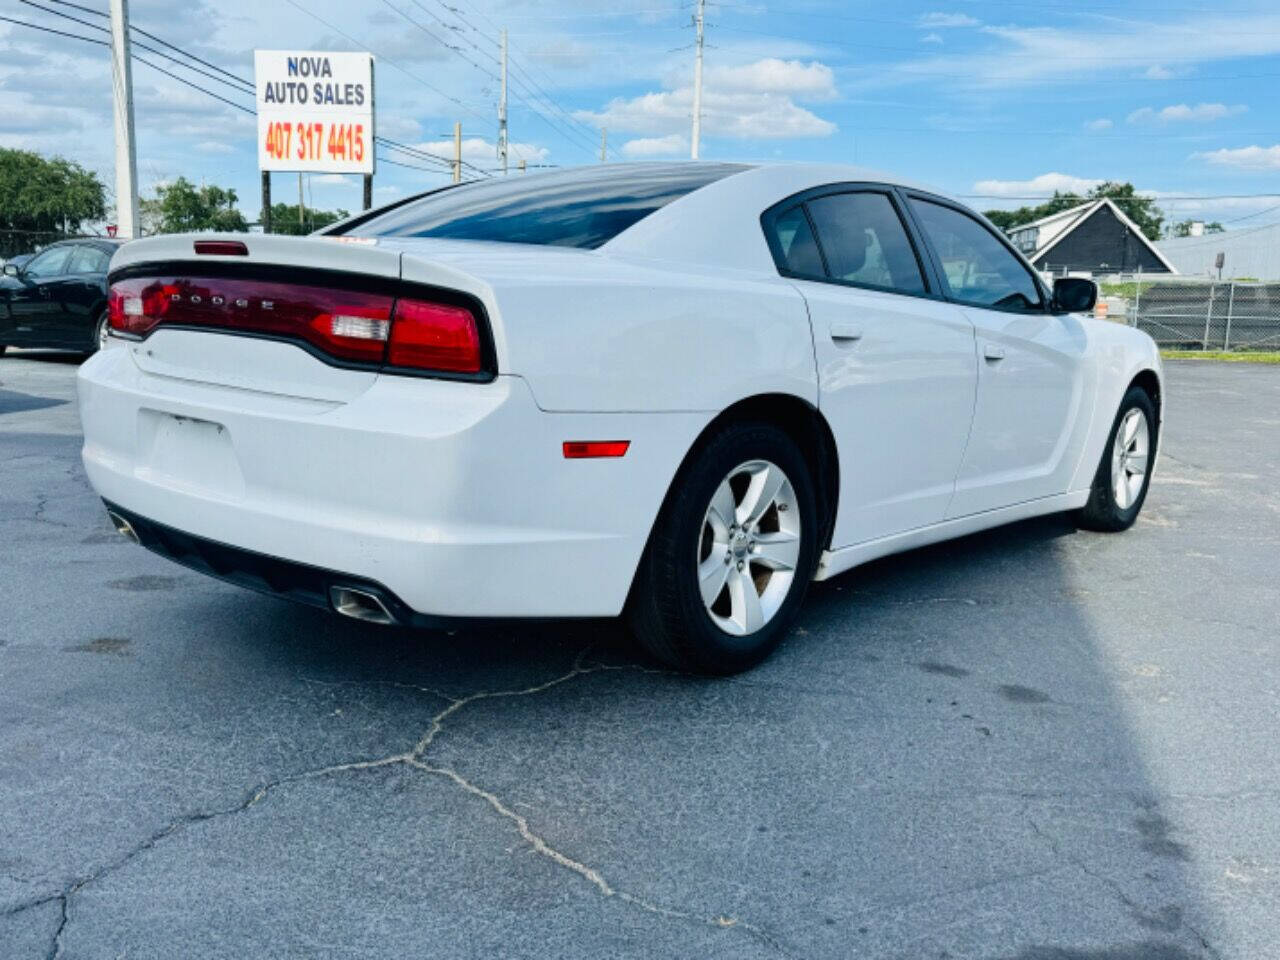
point(1129, 458)
point(749, 547)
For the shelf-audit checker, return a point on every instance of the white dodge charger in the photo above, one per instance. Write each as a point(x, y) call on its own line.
point(673, 392)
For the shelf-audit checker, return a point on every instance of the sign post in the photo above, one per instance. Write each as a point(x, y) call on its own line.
point(315, 112)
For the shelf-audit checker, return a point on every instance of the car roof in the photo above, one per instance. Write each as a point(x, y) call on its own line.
point(718, 226)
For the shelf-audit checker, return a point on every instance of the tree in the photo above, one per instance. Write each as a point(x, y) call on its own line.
point(284, 218)
point(1183, 228)
point(182, 207)
point(44, 199)
point(1141, 210)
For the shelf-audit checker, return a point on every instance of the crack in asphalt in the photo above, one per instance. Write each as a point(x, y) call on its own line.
point(1114, 886)
point(415, 758)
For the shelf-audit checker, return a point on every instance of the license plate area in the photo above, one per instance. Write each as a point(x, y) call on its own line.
point(188, 453)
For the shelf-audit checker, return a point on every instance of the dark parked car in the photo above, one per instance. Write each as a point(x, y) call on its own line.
point(58, 298)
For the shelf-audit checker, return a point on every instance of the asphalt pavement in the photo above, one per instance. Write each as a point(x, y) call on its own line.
point(1030, 744)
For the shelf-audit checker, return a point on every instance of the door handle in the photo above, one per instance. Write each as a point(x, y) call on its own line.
point(843, 330)
point(993, 352)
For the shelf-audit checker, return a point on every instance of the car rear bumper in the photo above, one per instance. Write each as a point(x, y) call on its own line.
point(454, 499)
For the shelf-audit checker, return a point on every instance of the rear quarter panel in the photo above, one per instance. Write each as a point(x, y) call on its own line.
point(594, 333)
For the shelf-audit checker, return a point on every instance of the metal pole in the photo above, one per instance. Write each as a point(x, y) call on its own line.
point(1208, 315)
point(266, 201)
point(1231, 302)
point(604, 144)
point(128, 214)
point(368, 190)
point(302, 223)
point(695, 139)
point(457, 152)
point(502, 109)
point(1137, 298)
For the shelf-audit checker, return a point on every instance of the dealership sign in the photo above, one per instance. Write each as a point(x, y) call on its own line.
point(315, 111)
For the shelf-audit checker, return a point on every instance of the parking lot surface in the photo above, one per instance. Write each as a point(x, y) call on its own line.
point(1034, 743)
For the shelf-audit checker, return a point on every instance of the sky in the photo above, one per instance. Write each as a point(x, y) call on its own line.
point(996, 102)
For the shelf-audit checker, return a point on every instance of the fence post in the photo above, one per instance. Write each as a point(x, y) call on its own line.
point(1208, 315)
point(1231, 302)
point(1137, 297)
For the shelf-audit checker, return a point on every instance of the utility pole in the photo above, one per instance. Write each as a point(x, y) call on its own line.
point(604, 144)
point(699, 21)
point(302, 223)
point(128, 220)
point(457, 153)
point(502, 109)
point(266, 201)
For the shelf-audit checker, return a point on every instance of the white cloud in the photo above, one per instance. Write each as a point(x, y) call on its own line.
point(331, 179)
point(1246, 158)
point(477, 150)
point(930, 21)
point(1102, 123)
point(667, 146)
point(805, 81)
point(215, 146)
point(1158, 71)
point(931, 38)
point(749, 101)
point(1046, 54)
point(1201, 112)
point(1043, 185)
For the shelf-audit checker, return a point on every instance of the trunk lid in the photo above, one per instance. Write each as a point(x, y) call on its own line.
point(230, 320)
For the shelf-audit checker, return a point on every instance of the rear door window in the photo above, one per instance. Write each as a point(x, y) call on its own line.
point(865, 242)
point(88, 260)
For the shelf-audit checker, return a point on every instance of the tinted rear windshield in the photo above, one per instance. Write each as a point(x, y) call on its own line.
point(584, 207)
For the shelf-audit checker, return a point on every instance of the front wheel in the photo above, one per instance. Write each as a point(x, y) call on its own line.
point(1120, 485)
point(731, 554)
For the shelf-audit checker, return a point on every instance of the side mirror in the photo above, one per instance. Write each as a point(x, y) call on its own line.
point(1074, 295)
point(12, 270)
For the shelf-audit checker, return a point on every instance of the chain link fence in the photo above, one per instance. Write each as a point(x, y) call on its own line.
point(1196, 313)
point(15, 242)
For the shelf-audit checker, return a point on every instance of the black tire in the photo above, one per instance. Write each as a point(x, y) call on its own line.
point(666, 610)
point(98, 333)
point(1102, 513)
point(3, 348)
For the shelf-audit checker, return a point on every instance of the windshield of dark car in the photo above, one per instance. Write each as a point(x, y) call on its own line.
point(582, 207)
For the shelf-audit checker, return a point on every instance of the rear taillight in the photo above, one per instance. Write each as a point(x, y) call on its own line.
point(434, 336)
point(370, 328)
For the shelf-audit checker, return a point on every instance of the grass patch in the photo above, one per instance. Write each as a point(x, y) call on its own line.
point(1244, 356)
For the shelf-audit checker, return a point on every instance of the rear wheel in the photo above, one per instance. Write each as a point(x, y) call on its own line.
point(731, 554)
point(101, 330)
point(1120, 485)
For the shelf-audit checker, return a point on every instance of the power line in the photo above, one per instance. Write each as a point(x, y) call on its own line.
point(412, 76)
point(151, 36)
point(153, 66)
point(522, 74)
point(136, 43)
point(490, 75)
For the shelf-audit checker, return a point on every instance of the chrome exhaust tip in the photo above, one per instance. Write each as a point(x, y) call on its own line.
point(123, 527)
point(360, 605)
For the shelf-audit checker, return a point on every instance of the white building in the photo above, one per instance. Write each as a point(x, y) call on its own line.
point(1249, 252)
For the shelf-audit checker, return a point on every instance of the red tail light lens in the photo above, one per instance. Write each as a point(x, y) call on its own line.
point(346, 325)
point(434, 336)
point(359, 327)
